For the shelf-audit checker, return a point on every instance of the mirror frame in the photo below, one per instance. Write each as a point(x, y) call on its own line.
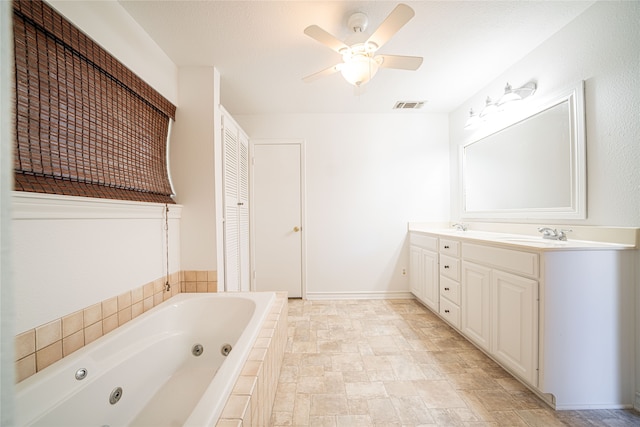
point(574, 96)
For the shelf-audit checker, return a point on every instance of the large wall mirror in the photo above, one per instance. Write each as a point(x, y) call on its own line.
point(534, 167)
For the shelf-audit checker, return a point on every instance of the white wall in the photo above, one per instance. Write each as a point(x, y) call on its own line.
point(72, 252)
point(109, 25)
point(366, 176)
point(192, 164)
point(601, 47)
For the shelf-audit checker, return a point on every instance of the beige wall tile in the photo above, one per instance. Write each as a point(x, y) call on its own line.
point(137, 295)
point(124, 300)
point(124, 315)
point(92, 314)
point(48, 334)
point(137, 309)
point(72, 343)
point(147, 290)
point(201, 287)
point(212, 276)
point(25, 367)
point(109, 323)
point(92, 332)
point(25, 344)
point(72, 323)
point(236, 407)
point(158, 285)
point(212, 286)
point(245, 385)
point(157, 299)
point(148, 303)
point(109, 307)
point(190, 287)
point(190, 276)
point(48, 355)
point(201, 276)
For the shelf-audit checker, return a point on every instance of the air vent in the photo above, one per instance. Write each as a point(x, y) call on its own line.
point(408, 105)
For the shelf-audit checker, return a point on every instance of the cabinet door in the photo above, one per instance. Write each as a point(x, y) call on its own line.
point(475, 305)
point(431, 295)
point(423, 276)
point(416, 276)
point(515, 323)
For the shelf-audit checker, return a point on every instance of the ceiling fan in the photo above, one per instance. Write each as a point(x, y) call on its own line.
point(360, 62)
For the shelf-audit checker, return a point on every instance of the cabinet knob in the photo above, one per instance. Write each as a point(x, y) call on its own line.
point(446, 266)
point(446, 246)
point(446, 311)
point(446, 289)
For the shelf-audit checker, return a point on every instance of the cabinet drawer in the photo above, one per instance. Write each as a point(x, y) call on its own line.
point(425, 242)
point(450, 312)
point(449, 247)
point(450, 267)
point(450, 290)
point(518, 262)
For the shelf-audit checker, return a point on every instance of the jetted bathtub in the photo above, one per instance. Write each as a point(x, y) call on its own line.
point(174, 365)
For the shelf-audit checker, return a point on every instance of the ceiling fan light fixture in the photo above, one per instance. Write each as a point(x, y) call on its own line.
point(359, 69)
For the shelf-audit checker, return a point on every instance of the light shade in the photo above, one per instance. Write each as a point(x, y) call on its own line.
point(518, 94)
point(490, 107)
point(359, 69)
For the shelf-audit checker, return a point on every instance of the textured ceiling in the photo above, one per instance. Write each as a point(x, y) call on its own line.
point(262, 53)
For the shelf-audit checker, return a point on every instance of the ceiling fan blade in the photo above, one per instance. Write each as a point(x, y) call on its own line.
point(400, 62)
point(325, 38)
point(396, 20)
point(325, 72)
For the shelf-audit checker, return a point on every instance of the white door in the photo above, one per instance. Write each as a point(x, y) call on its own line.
point(277, 230)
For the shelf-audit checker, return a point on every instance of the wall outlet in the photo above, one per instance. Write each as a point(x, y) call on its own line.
point(404, 271)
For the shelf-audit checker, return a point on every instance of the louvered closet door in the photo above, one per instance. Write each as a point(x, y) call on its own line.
point(231, 199)
point(243, 213)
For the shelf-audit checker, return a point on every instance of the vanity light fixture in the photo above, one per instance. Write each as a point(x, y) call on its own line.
point(518, 94)
point(510, 94)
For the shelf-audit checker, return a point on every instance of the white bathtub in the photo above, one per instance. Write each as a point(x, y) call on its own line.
point(150, 358)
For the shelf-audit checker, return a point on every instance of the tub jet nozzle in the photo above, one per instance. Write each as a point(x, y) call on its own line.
point(197, 349)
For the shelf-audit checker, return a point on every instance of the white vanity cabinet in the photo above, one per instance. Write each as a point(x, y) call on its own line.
point(423, 269)
point(558, 315)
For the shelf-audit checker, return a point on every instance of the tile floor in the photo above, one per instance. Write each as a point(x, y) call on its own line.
point(394, 363)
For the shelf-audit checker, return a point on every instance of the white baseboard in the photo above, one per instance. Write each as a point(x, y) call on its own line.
point(359, 295)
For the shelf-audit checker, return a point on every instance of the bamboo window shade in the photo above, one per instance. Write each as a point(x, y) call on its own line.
point(85, 124)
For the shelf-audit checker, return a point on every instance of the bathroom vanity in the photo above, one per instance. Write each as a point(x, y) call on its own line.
point(558, 315)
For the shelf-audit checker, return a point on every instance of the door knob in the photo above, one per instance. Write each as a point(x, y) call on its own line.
point(296, 228)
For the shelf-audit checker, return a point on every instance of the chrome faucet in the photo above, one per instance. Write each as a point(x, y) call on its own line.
point(553, 234)
point(460, 227)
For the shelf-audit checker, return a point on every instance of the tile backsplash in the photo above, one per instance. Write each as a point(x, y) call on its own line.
point(37, 348)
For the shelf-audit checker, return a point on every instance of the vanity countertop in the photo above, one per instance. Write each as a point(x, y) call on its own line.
point(522, 241)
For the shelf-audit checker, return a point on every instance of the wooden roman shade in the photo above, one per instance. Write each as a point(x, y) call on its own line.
point(85, 124)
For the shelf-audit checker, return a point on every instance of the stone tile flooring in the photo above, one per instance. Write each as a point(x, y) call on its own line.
point(394, 363)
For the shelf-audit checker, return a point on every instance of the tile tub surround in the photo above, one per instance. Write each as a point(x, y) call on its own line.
point(38, 348)
point(253, 394)
point(395, 363)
